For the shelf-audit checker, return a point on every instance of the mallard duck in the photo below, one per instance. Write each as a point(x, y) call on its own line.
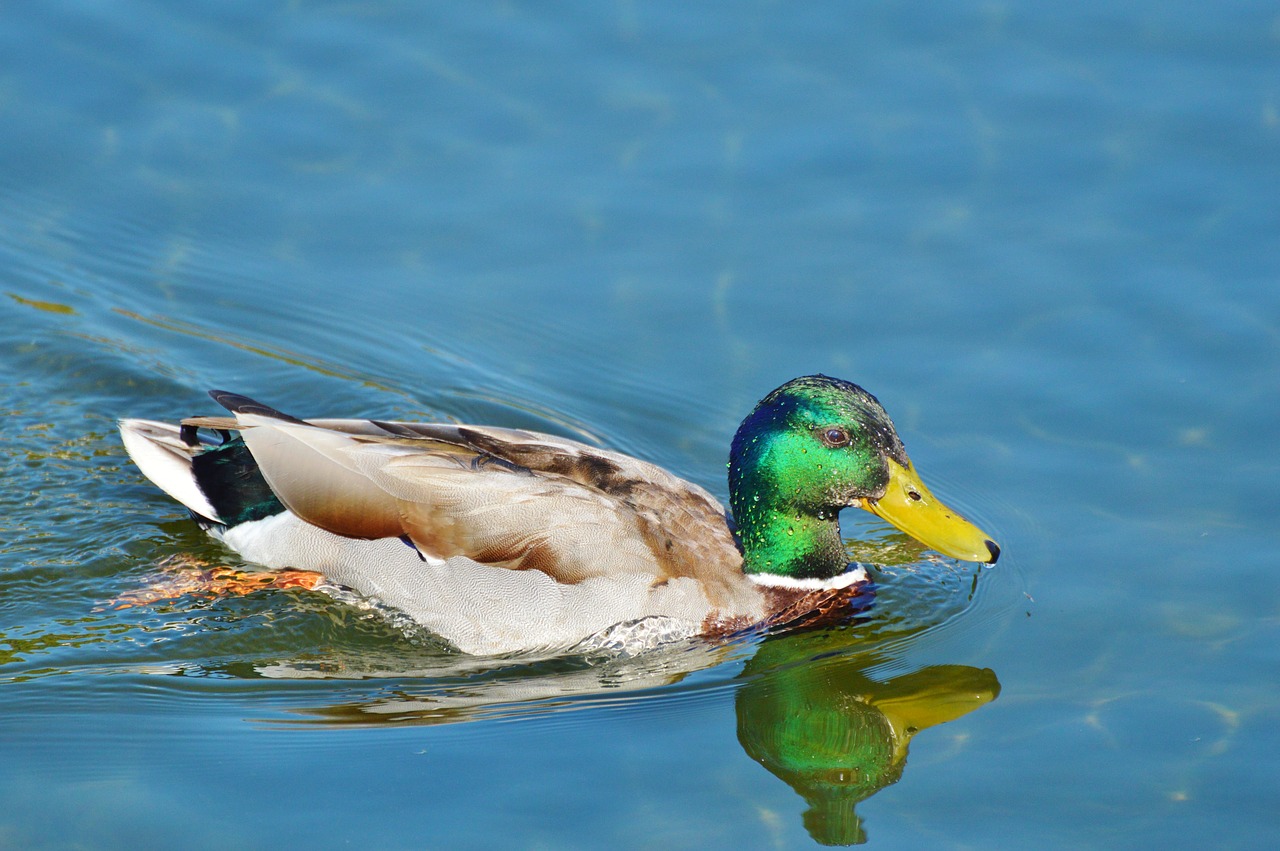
point(501, 540)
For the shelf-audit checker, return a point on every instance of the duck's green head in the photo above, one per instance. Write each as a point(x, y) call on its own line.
point(817, 445)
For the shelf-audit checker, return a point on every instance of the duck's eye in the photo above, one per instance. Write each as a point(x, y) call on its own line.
point(835, 436)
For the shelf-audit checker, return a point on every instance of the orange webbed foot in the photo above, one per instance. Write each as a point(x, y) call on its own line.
point(185, 576)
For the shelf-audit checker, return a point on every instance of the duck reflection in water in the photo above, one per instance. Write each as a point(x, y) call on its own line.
point(810, 714)
point(806, 707)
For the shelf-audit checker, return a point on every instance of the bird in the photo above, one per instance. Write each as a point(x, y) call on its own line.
point(507, 541)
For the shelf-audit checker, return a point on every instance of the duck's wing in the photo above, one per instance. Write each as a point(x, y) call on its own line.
point(502, 497)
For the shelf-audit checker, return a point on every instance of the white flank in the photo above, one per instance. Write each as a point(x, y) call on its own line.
point(480, 609)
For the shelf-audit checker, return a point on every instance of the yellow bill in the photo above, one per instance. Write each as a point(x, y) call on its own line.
point(908, 505)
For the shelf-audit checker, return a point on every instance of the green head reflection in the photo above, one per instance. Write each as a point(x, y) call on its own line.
point(811, 716)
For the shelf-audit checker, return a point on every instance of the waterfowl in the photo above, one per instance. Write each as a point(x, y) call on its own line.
point(502, 540)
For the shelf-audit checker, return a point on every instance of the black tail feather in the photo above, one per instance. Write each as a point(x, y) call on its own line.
point(237, 404)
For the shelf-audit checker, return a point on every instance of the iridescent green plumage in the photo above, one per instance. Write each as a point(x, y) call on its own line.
point(229, 477)
point(810, 448)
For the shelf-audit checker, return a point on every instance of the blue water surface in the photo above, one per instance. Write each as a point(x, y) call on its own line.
point(1045, 236)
